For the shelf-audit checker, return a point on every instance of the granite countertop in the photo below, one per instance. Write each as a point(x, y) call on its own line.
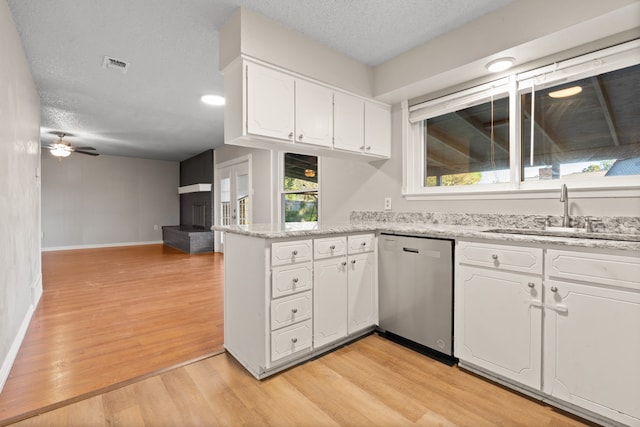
point(278, 231)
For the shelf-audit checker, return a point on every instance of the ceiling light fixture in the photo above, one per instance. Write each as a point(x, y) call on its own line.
point(212, 99)
point(60, 151)
point(563, 93)
point(500, 64)
point(309, 173)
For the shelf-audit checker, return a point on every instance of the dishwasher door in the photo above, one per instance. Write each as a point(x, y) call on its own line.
point(416, 290)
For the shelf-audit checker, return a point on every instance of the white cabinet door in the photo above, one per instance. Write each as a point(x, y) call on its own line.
point(329, 301)
point(377, 130)
point(270, 103)
point(592, 348)
point(362, 297)
point(348, 131)
point(314, 114)
point(498, 323)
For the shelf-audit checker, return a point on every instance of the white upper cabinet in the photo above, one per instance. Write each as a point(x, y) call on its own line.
point(270, 103)
point(314, 114)
point(377, 129)
point(348, 130)
point(270, 108)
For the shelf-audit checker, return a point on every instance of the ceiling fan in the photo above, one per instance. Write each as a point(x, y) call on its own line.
point(63, 148)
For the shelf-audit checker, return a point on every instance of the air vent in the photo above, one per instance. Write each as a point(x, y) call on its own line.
point(115, 64)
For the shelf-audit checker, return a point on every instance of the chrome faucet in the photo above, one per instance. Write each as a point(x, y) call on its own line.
point(564, 198)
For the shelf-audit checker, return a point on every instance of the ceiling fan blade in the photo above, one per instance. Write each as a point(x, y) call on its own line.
point(83, 148)
point(86, 152)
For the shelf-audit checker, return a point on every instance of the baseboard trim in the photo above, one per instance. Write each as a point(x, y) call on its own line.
point(8, 361)
point(99, 245)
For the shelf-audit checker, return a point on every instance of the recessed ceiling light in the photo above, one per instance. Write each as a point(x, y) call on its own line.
point(212, 99)
point(500, 64)
point(563, 93)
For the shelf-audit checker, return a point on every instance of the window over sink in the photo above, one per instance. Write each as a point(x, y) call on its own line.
point(573, 122)
point(300, 189)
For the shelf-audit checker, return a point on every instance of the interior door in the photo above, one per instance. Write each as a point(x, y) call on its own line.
point(234, 205)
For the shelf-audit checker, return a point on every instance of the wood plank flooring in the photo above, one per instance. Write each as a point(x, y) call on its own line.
point(111, 315)
point(372, 382)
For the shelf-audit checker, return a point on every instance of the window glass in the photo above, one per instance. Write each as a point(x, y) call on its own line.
point(468, 146)
point(583, 129)
point(300, 188)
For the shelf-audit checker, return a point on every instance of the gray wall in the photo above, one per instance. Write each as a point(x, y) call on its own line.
point(20, 268)
point(107, 200)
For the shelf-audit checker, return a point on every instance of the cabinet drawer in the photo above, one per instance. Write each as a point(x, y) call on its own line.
point(361, 243)
point(291, 339)
point(289, 310)
point(602, 269)
point(289, 252)
point(501, 257)
point(329, 247)
point(291, 279)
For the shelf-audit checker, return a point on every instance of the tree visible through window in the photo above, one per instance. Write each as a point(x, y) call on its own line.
point(300, 188)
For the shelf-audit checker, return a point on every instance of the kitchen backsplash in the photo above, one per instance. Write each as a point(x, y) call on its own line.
point(608, 224)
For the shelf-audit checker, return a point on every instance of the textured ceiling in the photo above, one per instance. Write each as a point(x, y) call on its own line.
point(154, 110)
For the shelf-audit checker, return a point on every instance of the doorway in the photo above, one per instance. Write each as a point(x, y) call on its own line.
point(233, 198)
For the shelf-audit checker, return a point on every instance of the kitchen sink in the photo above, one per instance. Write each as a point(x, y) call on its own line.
point(567, 232)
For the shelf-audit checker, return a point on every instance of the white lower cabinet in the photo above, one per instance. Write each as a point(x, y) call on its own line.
point(345, 291)
point(329, 300)
point(571, 336)
point(497, 327)
point(287, 298)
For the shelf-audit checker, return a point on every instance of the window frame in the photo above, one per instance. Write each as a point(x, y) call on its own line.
point(281, 191)
point(601, 61)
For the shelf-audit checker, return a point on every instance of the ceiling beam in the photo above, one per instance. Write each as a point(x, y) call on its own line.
point(480, 128)
point(606, 109)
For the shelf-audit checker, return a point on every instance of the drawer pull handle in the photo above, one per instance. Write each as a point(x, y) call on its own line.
point(300, 137)
point(294, 310)
point(294, 253)
point(531, 285)
point(494, 256)
point(332, 247)
point(295, 280)
point(344, 263)
point(294, 340)
point(363, 244)
point(554, 289)
point(290, 135)
point(353, 261)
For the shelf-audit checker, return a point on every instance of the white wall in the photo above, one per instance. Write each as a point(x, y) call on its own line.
point(107, 200)
point(20, 268)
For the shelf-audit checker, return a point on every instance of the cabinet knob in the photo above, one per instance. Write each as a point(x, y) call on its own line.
point(368, 148)
point(294, 340)
point(300, 137)
point(494, 256)
point(554, 289)
point(531, 285)
point(363, 244)
point(353, 261)
point(294, 253)
point(332, 247)
point(294, 310)
point(344, 263)
point(362, 148)
point(295, 280)
point(290, 135)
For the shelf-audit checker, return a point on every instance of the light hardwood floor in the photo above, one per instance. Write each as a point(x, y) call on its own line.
point(100, 327)
point(372, 382)
point(111, 315)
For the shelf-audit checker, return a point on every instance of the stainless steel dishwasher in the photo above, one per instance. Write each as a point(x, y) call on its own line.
point(416, 293)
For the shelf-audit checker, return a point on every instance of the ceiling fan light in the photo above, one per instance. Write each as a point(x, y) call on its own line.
point(500, 64)
point(216, 100)
point(60, 152)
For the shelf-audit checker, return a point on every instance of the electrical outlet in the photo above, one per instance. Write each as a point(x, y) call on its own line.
point(387, 203)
